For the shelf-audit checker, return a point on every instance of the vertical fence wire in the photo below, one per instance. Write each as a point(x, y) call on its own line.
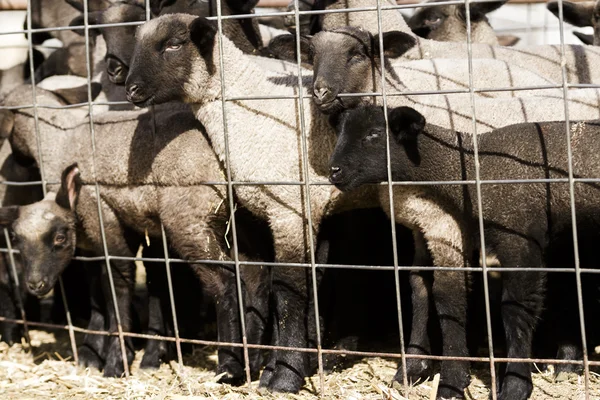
point(236, 256)
point(563, 63)
point(41, 164)
point(488, 319)
point(391, 199)
point(17, 290)
point(88, 65)
point(308, 205)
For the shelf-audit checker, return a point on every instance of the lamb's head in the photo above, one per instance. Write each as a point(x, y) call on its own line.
point(448, 22)
point(45, 233)
point(359, 156)
point(172, 61)
point(344, 60)
point(586, 13)
point(120, 41)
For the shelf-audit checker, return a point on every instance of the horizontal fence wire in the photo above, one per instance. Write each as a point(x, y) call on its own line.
point(488, 271)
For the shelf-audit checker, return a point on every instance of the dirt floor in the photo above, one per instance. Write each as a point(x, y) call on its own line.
point(45, 372)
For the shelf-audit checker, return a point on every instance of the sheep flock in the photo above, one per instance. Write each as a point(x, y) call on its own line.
point(338, 199)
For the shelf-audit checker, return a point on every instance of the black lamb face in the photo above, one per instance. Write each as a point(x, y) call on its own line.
point(44, 233)
point(360, 156)
point(172, 60)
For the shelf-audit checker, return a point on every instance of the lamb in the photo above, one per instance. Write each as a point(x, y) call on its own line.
point(522, 223)
point(332, 69)
point(264, 140)
point(544, 60)
point(447, 23)
point(580, 14)
point(120, 41)
point(141, 166)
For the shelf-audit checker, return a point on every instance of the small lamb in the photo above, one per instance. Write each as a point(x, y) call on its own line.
point(521, 221)
point(141, 187)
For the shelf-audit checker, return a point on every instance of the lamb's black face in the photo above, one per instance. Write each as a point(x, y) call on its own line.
point(426, 20)
point(45, 235)
point(343, 61)
point(120, 41)
point(168, 52)
point(360, 154)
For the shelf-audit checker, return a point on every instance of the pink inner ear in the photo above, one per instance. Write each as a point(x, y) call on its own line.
point(71, 190)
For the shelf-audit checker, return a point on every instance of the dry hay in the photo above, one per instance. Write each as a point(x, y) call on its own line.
point(47, 373)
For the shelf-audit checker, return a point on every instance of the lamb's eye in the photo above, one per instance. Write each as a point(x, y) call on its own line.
point(59, 239)
point(432, 21)
point(173, 47)
point(373, 135)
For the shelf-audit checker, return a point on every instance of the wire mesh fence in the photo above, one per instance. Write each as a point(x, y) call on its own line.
point(305, 183)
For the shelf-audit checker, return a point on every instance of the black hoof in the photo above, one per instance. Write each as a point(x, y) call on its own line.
point(155, 354)
point(285, 381)
point(515, 388)
point(416, 369)
point(88, 358)
point(114, 368)
point(234, 374)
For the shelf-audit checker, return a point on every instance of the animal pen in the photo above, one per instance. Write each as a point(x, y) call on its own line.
point(44, 364)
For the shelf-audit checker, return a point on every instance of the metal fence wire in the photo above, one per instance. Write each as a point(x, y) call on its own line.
point(305, 184)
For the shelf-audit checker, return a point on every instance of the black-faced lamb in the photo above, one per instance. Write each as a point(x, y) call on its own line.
point(141, 166)
point(447, 23)
point(581, 14)
point(177, 58)
point(347, 60)
point(521, 221)
point(544, 60)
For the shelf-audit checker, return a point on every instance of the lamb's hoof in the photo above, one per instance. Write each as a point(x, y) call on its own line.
point(514, 388)
point(114, 368)
point(285, 380)
point(88, 358)
point(155, 354)
point(266, 376)
point(416, 369)
point(447, 393)
point(233, 374)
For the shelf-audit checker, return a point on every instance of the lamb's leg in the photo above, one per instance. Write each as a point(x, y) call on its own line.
point(159, 310)
point(421, 301)
point(118, 243)
point(522, 295)
point(294, 324)
point(450, 298)
point(91, 352)
point(123, 273)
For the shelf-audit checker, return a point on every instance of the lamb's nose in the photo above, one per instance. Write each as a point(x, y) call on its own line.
point(35, 286)
point(321, 92)
point(334, 174)
point(132, 90)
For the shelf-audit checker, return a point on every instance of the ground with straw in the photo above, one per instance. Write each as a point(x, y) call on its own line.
point(46, 371)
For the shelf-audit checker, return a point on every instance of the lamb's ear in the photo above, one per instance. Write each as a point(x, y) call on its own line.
point(202, 33)
point(7, 123)
point(405, 123)
point(584, 37)
point(578, 14)
point(395, 44)
point(78, 94)
point(508, 40)
point(94, 18)
point(8, 215)
point(70, 185)
point(284, 47)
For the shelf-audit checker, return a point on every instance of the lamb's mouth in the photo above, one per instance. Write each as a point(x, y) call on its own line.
point(331, 107)
point(147, 102)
